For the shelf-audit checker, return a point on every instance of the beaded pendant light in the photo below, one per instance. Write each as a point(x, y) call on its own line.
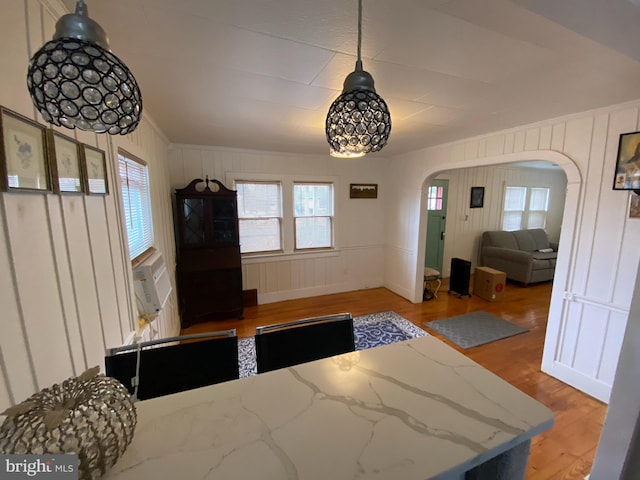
point(75, 81)
point(358, 121)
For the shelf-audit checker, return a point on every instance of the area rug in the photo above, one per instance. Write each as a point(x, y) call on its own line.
point(370, 331)
point(474, 328)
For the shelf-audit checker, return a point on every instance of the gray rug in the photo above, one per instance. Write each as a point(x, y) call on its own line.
point(474, 328)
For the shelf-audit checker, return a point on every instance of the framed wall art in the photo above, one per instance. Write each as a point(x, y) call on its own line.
point(634, 206)
point(64, 160)
point(627, 174)
point(363, 190)
point(95, 171)
point(23, 154)
point(477, 197)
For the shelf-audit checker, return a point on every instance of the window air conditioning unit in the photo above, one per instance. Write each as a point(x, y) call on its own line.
point(152, 284)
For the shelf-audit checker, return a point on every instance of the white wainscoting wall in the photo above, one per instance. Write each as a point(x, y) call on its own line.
point(356, 263)
point(65, 276)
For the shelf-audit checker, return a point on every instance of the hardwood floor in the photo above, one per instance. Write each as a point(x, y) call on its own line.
point(566, 451)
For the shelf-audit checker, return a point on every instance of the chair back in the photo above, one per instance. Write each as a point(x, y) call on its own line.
point(286, 344)
point(189, 362)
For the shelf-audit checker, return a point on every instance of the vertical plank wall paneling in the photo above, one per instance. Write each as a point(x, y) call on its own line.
point(69, 304)
point(17, 367)
point(360, 231)
point(103, 269)
point(597, 259)
point(65, 281)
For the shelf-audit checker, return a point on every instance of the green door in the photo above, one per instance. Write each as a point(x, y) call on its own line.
point(436, 221)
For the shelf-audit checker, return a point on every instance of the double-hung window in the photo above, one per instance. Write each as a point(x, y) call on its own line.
point(514, 204)
point(313, 215)
point(538, 207)
point(134, 181)
point(525, 207)
point(259, 216)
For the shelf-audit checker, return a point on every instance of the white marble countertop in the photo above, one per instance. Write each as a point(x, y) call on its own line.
point(411, 410)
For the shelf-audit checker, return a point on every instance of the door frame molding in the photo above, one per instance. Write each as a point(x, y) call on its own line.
point(445, 204)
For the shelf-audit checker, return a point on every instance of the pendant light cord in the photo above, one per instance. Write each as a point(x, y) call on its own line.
point(359, 60)
point(359, 28)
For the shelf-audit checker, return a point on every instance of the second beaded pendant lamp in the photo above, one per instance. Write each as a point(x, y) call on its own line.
point(358, 121)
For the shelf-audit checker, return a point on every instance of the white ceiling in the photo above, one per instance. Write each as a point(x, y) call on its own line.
point(261, 74)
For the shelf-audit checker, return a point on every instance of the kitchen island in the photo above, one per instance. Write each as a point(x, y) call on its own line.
point(410, 410)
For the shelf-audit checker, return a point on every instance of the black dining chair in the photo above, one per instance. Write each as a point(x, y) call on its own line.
point(286, 344)
point(152, 369)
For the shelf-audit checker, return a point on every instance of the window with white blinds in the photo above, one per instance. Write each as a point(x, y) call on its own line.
point(514, 203)
point(313, 215)
point(259, 216)
point(538, 206)
point(525, 207)
point(136, 201)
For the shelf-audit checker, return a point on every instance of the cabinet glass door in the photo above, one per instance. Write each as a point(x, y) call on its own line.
point(225, 223)
point(193, 216)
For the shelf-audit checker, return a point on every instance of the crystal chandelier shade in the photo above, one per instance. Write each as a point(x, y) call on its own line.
point(358, 121)
point(76, 82)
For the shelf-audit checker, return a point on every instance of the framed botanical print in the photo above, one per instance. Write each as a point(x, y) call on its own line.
point(23, 154)
point(95, 171)
point(66, 167)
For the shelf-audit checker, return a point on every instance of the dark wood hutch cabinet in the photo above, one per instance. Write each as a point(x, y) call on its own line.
point(209, 273)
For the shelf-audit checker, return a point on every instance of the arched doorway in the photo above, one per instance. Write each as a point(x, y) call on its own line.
point(566, 248)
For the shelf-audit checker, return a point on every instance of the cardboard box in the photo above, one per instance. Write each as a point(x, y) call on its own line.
point(489, 283)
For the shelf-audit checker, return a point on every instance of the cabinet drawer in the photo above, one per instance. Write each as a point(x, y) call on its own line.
point(208, 259)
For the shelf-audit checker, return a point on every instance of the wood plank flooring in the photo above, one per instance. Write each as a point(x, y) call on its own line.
point(566, 451)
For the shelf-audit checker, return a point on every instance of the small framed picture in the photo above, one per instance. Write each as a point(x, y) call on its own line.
point(64, 159)
point(95, 171)
point(627, 174)
point(477, 197)
point(23, 154)
point(363, 190)
point(634, 206)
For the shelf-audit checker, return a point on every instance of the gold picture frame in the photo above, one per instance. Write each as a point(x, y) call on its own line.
point(95, 171)
point(65, 162)
point(23, 154)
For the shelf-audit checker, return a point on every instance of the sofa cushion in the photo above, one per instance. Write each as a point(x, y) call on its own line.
point(524, 240)
point(531, 240)
point(540, 238)
point(499, 239)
